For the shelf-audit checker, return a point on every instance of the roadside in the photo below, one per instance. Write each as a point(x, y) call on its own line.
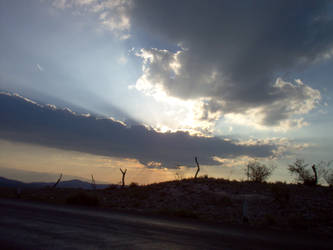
point(279, 206)
point(26, 225)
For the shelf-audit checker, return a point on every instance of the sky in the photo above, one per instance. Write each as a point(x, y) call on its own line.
point(91, 86)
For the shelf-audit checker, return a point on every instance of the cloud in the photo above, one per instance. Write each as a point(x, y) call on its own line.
point(39, 68)
point(294, 100)
point(62, 4)
point(25, 121)
point(227, 59)
point(112, 15)
point(284, 147)
point(231, 56)
point(122, 60)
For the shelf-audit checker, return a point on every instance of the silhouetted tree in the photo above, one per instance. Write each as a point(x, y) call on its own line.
point(315, 179)
point(303, 173)
point(323, 170)
point(93, 183)
point(198, 167)
point(56, 184)
point(258, 172)
point(123, 178)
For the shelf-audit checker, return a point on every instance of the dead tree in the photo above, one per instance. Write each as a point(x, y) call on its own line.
point(315, 180)
point(198, 167)
point(56, 184)
point(93, 183)
point(123, 178)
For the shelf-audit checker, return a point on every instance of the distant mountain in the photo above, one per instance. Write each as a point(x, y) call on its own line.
point(29, 176)
point(80, 184)
point(4, 182)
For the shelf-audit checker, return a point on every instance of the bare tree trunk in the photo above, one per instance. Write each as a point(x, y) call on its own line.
point(123, 178)
point(248, 172)
point(93, 183)
point(56, 184)
point(198, 167)
point(315, 174)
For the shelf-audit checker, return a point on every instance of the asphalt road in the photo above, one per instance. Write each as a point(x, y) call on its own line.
point(26, 225)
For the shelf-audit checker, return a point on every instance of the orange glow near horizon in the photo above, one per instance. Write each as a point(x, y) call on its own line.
point(34, 163)
point(73, 164)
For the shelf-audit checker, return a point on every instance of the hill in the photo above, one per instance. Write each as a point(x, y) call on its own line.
point(4, 182)
point(8, 183)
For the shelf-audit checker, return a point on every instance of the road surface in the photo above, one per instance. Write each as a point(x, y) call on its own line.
point(25, 225)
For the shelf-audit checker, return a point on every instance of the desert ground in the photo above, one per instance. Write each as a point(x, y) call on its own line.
point(259, 205)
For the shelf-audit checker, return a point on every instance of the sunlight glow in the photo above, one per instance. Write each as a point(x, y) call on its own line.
point(40, 159)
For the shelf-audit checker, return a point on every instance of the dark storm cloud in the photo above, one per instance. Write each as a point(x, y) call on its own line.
point(233, 51)
point(25, 121)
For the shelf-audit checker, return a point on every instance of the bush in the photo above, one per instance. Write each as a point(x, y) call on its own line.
point(82, 199)
point(133, 185)
point(258, 172)
point(329, 178)
point(306, 175)
point(328, 173)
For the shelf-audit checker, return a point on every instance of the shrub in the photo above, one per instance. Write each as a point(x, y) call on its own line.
point(300, 169)
point(82, 199)
point(133, 185)
point(329, 178)
point(328, 173)
point(306, 175)
point(258, 172)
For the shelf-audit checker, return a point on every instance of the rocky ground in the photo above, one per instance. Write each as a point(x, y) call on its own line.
point(278, 205)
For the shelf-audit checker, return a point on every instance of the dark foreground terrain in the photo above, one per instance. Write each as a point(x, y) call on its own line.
point(26, 225)
point(286, 207)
